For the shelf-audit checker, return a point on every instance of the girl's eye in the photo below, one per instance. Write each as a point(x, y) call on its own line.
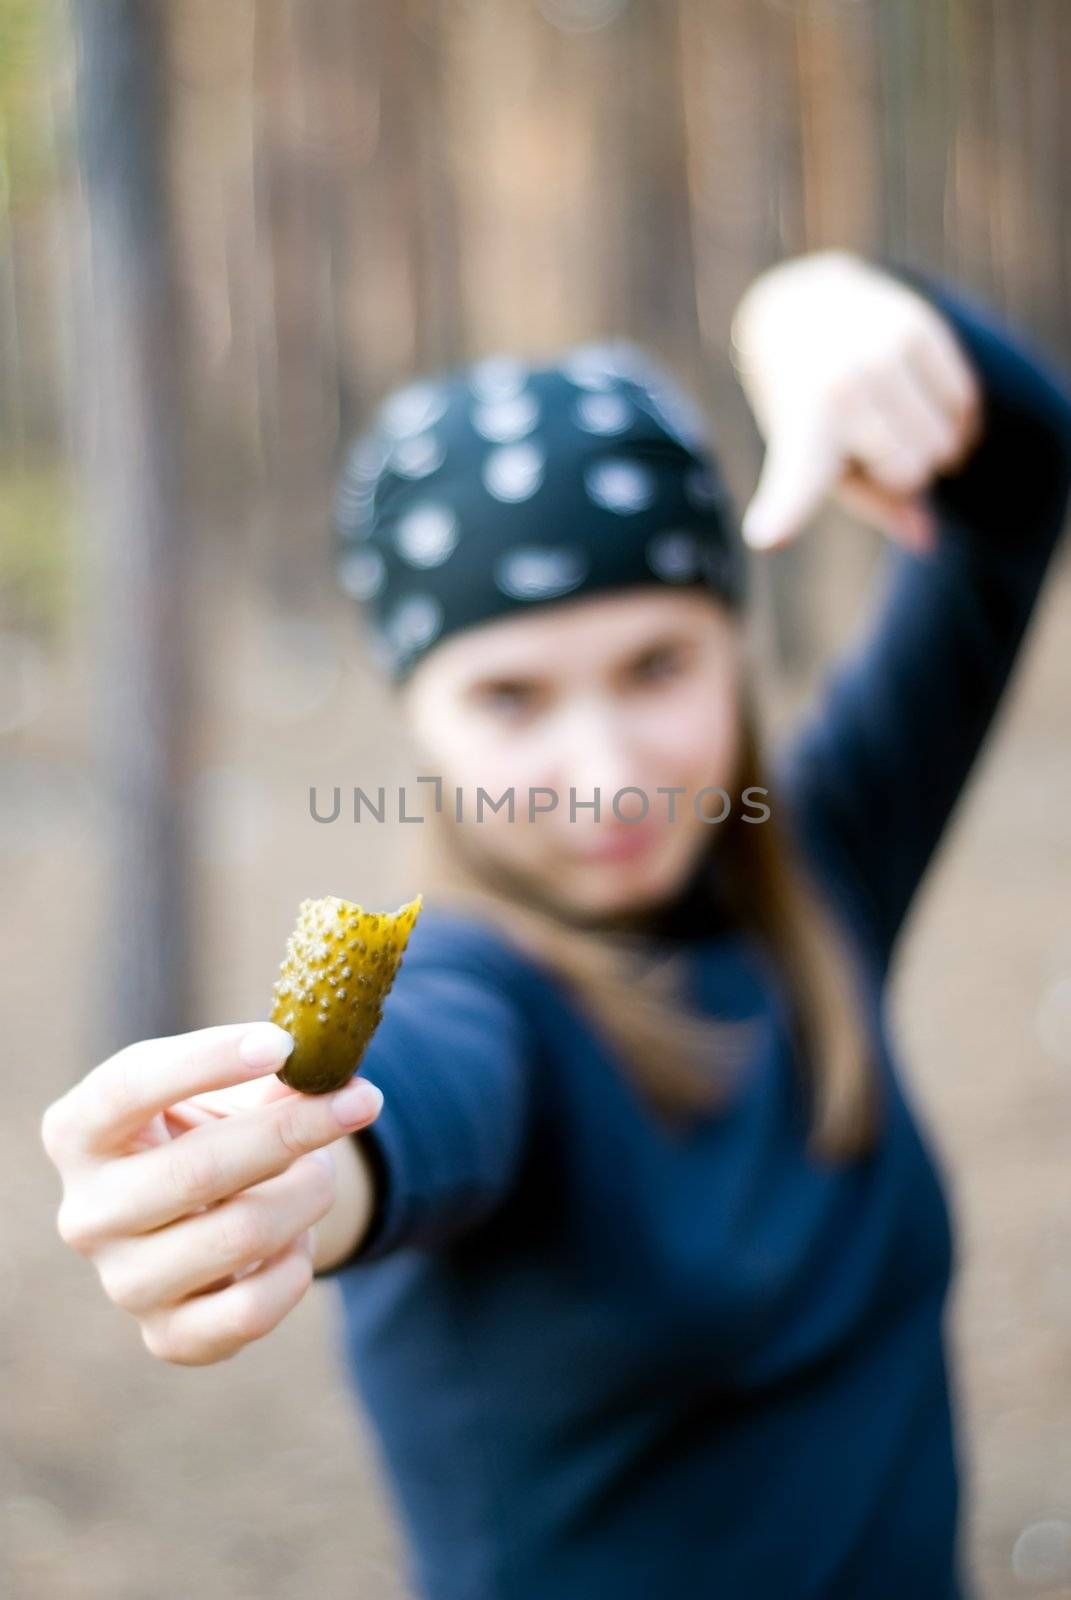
point(510, 698)
point(657, 664)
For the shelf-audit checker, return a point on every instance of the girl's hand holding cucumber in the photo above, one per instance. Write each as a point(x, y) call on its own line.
point(197, 1167)
point(192, 1178)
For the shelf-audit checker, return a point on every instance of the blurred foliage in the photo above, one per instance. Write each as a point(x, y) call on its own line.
point(36, 501)
point(37, 547)
point(32, 34)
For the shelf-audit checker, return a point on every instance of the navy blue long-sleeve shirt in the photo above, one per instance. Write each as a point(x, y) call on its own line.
point(606, 1361)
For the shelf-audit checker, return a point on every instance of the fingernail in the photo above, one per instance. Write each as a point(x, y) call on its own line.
point(357, 1102)
point(265, 1046)
point(322, 1153)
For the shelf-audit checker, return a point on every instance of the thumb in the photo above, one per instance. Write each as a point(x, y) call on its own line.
point(799, 470)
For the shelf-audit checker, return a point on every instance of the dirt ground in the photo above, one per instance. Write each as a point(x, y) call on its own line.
point(123, 1478)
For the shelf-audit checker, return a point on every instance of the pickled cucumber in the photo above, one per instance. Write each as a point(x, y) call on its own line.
point(340, 963)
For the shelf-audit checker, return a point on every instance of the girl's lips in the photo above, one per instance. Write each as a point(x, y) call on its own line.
point(622, 844)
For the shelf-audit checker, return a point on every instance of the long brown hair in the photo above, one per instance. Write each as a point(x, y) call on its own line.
point(682, 1060)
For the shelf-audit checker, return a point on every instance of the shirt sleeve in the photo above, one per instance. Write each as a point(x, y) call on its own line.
point(452, 1057)
point(873, 774)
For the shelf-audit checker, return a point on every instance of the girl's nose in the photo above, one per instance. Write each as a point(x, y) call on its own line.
point(596, 753)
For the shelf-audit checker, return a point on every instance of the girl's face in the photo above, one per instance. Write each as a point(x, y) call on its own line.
point(637, 689)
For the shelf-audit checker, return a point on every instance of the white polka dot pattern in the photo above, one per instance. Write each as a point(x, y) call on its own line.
point(621, 485)
point(417, 456)
point(362, 573)
point(427, 534)
point(415, 622)
point(590, 367)
point(491, 484)
point(674, 555)
point(413, 409)
point(504, 421)
point(514, 471)
point(498, 377)
point(603, 413)
point(356, 491)
point(602, 366)
point(701, 489)
point(535, 573)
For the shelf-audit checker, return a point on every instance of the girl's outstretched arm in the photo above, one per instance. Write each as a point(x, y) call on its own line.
point(452, 1056)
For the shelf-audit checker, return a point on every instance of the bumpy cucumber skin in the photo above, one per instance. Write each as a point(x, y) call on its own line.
point(339, 967)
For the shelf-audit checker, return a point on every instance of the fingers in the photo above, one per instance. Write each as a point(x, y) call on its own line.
point(109, 1105)
point(244, 1096)
point(142, 1274)
point(906, 518)
point(846, 367)
point(900, 432)
point(151, 1188)
point(945, 370)
point(799, 470)
point(213, 1327)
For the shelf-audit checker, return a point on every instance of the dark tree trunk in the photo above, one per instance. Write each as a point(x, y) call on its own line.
point(138, 547)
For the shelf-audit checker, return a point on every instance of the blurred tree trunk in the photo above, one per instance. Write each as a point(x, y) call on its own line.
point(129, 359)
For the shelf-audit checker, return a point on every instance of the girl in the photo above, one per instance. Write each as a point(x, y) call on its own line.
point(642, 1255)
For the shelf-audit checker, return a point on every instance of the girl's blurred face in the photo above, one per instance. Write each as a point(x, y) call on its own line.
point(630, 690)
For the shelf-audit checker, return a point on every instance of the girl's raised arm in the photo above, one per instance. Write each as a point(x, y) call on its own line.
point(875, 771)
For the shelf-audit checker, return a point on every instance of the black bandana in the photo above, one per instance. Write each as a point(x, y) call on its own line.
point(487, 489)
